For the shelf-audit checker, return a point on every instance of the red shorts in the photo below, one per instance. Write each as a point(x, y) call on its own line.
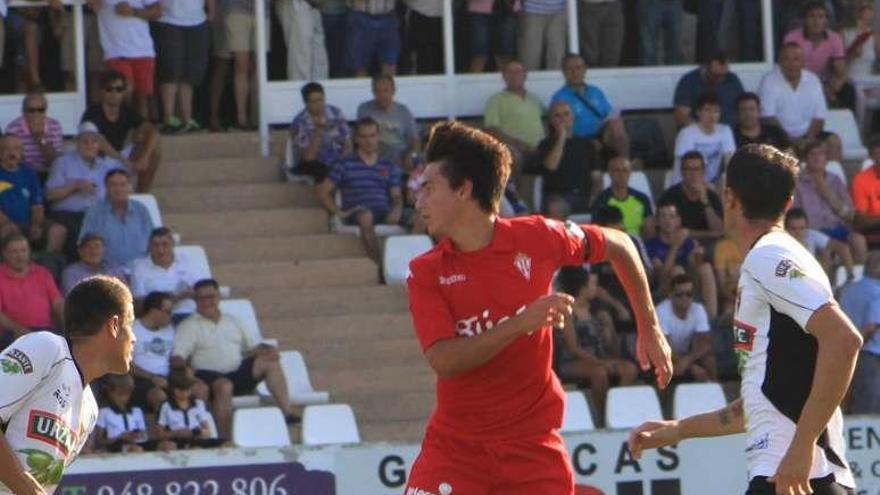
point(139, 72)
point(451, 466)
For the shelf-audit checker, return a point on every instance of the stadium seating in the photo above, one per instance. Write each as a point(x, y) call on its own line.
point(628, 407)
point(866, 163)
point(299, 385)
point(840, 275)
point(399, 251)
point(260, 427)
point(696, 398)
point(843, 123)
point(638, 180)
point(244, 311)
point(577, 416)
point(149, 201)
point(197, 259)
point(329, 424)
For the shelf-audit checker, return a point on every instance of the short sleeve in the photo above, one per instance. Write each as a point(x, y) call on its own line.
point(793, 290)
point(247, 334)
point(860, 195)
point(185, 339)
point(139, 423)
point(728, 145)
point(24, 365)
point(102, 418)
point(837, 50)
point(163, 419)
point(432, 317)
point(491, 117)
point(701, 318)
point(138, 288)
point(298, 132)
point(337, 173)
point(395, 177)
point(767, 94)
point(683, 97)
point(874, 312)
point(576, 244)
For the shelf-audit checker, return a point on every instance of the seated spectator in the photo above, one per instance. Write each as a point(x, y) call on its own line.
point(866, 196)
point(123, 224)
point(674, 252)
point(727, 261)
point(320, 134)
point(398, 133)
point(638, 216)
point(76, 183)
point(163, 270)
point(714, 76)
point(492, 26)
point(227, 357)
point(750, 130)
point(792, 98)
point(91, 262)
point(591, 351)
point(822, 247)
point(121, 426)
point(824, 54)
point(699, 206)
point(151, 357)
point(861, 302)
point(370, 186)
point(29, 299)
point(686, 326)
point(514, 115)
point(184, 421)
point(712, 140)
point(825, 200)
point(373, 36)
point(542, 34)
point(569, 166)
point(126, 136)
point(41, 135)
point(594, 117)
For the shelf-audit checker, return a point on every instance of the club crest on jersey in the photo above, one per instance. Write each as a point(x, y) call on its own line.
point(50, 429)
point(523, 263)
point(16, 362)
point(787, 268)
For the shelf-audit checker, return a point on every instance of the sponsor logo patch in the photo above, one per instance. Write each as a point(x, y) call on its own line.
point(16, 362)
point(787, 267)
point(453, 279)
point(52, 430)
point(762, 443)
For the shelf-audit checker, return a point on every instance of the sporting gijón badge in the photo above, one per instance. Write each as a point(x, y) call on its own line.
point(16, 362)
point(50, 429)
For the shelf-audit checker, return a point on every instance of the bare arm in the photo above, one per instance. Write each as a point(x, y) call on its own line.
point(554, 156)
point(17, 328)
point(58, 312)
point(151, 13)
point(59, 193)
point(12, 473)
point(816, 126)
point(325, 192)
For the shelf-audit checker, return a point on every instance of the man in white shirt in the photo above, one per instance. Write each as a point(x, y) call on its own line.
point(686, 326)
point(165, 271)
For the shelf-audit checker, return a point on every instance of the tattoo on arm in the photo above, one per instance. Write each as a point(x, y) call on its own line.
point(734, 410)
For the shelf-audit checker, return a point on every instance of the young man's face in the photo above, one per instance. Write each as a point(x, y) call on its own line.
point(575, 71)
point(383, 91)
point(437, 202)
point(709, 115)
point(162, 249)
point(114, 92)
point(562, 116)
point(619, 171)
point(367, 138)
point(748, 113)
point(816, 21)
point(315, 103)
point(92, 252)
point(668, 219)
point(207, 300)
point(682, 296)
point(693, 172)
point(797, 228)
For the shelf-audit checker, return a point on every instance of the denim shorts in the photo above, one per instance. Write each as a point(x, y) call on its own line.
point(372, 36)
point(495, 33)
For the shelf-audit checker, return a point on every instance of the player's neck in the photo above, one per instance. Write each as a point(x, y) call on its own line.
point(752, 230)
point(89, 359)
point(473, 232)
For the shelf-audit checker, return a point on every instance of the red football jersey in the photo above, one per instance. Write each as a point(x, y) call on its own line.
point(457, 294)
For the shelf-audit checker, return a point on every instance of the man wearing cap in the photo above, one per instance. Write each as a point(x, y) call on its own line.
point(91, 262)
point(77, 182)
point(41, 135)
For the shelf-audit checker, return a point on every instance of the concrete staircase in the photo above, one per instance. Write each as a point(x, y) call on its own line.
point(314, 291)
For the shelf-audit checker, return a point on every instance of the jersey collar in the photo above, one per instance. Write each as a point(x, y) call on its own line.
point(502, 240)
point(82, 378)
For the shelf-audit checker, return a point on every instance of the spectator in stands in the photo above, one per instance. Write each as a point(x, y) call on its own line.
point(824, 198)
point(866, 196)
point(370, 186)
point(239, 29)
point(594, 117)
point(686, 325)
point(121, 426)
point(699, 206)
point(673, 252)
point(221, 56)
point(373, 34)
point(492, 26)
point(821, 246)
point(333, 17)
point(41, 135)
point(126, 136)
point(425, 35)
point(514, 115)
point(713, 76)
point(183, 39)
point(792, 98)
point(151, 358)
point(750, 130)
point(569, 166)
point(655, 15)
point(860, 47)
point(227, 356)
point(861, 302)
point(91, 262)
point(122, 223)
point(542, 34)
point(727, 260)
point(634, 205)
point(124, 27)
point(29, 299)
point(714, 141)
point(164, 271)
point(398, 133)
point(320, 134)
point(602, 31)
point(304, 39)
point(184, 421)
point(824, 54)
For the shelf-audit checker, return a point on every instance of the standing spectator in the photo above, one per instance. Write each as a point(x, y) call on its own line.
point(91, 262)
point(708, 26)
point(183, 420)
point(750, 130)
point(602, 32)
point(542, 34)
point(221, 56)
point(164, 271)
point(398, 133)
point(635, 206)
point(124, 28)
point(686, 326)
point(127, 137)
point(492, 30)
point(822, 247)
point(514, 114)
point(123, 224)
point(699, 206)
point(860, 45)
point(655, 15)
point(594, 117)
point(304, 37)
point(373, 33)
point(866, 196)
point(240, 32)
point(861, 302)
point(713, 76)
point(121, 426)
point(37, 24)
point(371, 188)
point(333, 16)
point(320, 134)
point(711, 139)
point(41, 135)
point(183, 41)
point(426, 35)
point(151, 357)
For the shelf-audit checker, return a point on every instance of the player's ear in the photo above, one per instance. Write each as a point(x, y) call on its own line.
point(466, 190)
point(114, 326)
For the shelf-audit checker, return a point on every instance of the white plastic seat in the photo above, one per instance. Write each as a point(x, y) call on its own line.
point(577, 416)
point(149, 201)
point(288, 163)
point(840, 275)
point(260, 427)
point(299, 385)
point(196, 258)
point(244, 311)
point(382, 230)
point(835, 168)
point(538, 193)
point(628, 407)
point(843, 123)
point(697, 398)
point(399, 251)
point(329, 424)
point(668, 178)
point(637, 180)
point(866, 163)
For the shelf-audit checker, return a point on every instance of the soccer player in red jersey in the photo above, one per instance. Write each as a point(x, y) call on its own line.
point(484, 311)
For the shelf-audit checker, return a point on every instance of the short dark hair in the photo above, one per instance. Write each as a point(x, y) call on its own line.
point(13, 237)
point(116, 171)
point(470, 154)
point(572, 56)
point(720, 56)
point(571, 279)
point(154, 300)
point(763, 179)
point(364, 122)
point(795, 214)
point(746, 96)
point(693, 155)
point(206, 282)
point(161, 232)
point(811, 145)
point(382, 76)
point(681, 279)
point(32, 94)
point(608, 215)
point(94, 301)
point(790, 45)
point(707, 98)
point(811, 6)
point(119, 382)
point(111, 76)
point(310, 88)
point(179, 379)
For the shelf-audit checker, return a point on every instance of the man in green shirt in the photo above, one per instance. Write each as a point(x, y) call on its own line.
point(514, 115)
point(635, 205)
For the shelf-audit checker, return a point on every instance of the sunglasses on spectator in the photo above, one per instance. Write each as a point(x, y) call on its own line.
point(36, 110)
point(115, 89)
point(683, 294)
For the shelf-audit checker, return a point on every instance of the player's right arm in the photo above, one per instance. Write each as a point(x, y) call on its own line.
point(13, 475)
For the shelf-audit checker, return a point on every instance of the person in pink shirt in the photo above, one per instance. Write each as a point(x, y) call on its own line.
point(41, 135)
point(824, 55)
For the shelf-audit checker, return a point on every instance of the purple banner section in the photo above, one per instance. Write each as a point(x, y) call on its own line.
point(250, 479)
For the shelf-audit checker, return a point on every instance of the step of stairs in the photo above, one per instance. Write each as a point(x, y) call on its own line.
point(251, 276)
point(194, 199)
point(305, 332)
point(218, 171)
point(284, 248)
point(241, 225)
point(326, 300)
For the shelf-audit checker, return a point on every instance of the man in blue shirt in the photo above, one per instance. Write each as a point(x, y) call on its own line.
point(594, 117)
point(715, 77)
point(861, 302)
